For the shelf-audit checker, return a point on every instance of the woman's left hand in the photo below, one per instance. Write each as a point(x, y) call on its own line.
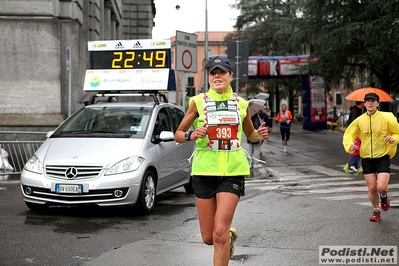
point(263, 132)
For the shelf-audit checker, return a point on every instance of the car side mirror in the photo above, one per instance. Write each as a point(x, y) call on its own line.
point(49, 134)
point(167, 136)
point(164, 136)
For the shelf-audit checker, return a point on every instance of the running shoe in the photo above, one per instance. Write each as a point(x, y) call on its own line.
point(346, 168)
point(385, 203)
point(233, 237)
point(352, 170)
point(375, 217)
point(360, 170)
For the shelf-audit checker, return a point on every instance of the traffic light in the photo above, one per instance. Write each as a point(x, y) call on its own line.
point(190, 81)
point(190, 91)
point(338, 98)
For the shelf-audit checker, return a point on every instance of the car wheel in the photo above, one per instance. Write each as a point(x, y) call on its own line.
point(189, 187)
point(36, 207)
point(147, 196)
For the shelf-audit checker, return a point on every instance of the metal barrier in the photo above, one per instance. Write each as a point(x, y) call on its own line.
point(19, 151)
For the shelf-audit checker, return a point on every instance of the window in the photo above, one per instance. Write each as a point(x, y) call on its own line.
point(177, 115)
point(338, 98)
point(162, 123)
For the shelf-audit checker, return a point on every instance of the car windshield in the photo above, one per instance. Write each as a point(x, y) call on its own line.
point(103, 121)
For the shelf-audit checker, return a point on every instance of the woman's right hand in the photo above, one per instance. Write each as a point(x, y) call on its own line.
point(200, 132)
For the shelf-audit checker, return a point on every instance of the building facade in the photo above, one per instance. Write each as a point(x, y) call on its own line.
point(216, 46)
point(43, 47)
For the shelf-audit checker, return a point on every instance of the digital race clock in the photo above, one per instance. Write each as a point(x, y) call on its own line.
point(130, 54)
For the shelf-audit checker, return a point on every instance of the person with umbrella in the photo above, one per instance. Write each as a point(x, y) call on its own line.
point(379, 134)
point(219, 164)
point(268, 113)
point(255, 147)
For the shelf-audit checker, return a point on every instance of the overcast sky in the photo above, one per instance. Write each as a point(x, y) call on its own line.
point(191, 17)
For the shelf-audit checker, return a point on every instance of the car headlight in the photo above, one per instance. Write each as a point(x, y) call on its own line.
point(128, 165)
point(34, 165)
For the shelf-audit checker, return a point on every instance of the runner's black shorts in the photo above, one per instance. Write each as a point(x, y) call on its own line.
point(205, 187)
point(376, 165)
point(285, 133)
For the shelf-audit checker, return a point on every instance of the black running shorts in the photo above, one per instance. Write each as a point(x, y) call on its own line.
point(205, 187)
point(285, 133)
point(376, 165)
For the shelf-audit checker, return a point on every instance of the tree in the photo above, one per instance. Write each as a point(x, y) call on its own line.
point(347, 37)
point(270, 27)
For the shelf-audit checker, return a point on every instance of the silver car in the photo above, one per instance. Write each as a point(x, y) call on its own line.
point(110, 154)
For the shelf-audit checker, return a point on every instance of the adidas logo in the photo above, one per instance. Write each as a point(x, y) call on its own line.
point(119, 45)
point(137, 45)
point(221, 106)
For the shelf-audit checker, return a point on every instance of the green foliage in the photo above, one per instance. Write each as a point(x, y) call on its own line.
point(352, 36)
point(347, 37)
point(269, 25)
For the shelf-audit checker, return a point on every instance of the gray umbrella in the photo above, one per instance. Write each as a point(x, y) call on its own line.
point(262, 95)
point(256, 105)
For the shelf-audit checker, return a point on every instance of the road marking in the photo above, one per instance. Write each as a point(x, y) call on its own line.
point(10, 182)
point(325, 170)
point(326, 183)
point(394, 167)
point(355, 196)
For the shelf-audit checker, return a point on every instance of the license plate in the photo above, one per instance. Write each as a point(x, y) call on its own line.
point(72, 189)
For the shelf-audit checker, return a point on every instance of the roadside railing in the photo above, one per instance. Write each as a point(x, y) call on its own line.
point(19, 151)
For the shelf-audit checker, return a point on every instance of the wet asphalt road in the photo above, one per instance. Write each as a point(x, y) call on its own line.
point(274, 225)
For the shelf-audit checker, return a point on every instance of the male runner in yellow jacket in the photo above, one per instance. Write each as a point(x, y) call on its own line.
point(379, 134)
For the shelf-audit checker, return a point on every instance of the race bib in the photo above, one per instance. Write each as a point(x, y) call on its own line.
point(222, 132)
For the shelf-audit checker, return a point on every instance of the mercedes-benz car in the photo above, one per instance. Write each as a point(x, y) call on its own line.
point(110, 154)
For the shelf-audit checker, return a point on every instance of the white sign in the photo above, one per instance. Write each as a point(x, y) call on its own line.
point(186, 52)
point(126, 79)
point(359, 255)
point(252, 67)
point(111, 45)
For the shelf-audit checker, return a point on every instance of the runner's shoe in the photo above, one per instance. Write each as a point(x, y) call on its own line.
point(346, 168)
point(375, 217)
point(360, 170)
point(385, 203)
point(233, 236)
point(352, 170)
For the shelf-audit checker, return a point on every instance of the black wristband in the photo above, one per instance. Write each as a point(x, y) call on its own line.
point(187, 135)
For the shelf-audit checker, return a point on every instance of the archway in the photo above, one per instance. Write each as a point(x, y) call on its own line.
point(314, 102)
